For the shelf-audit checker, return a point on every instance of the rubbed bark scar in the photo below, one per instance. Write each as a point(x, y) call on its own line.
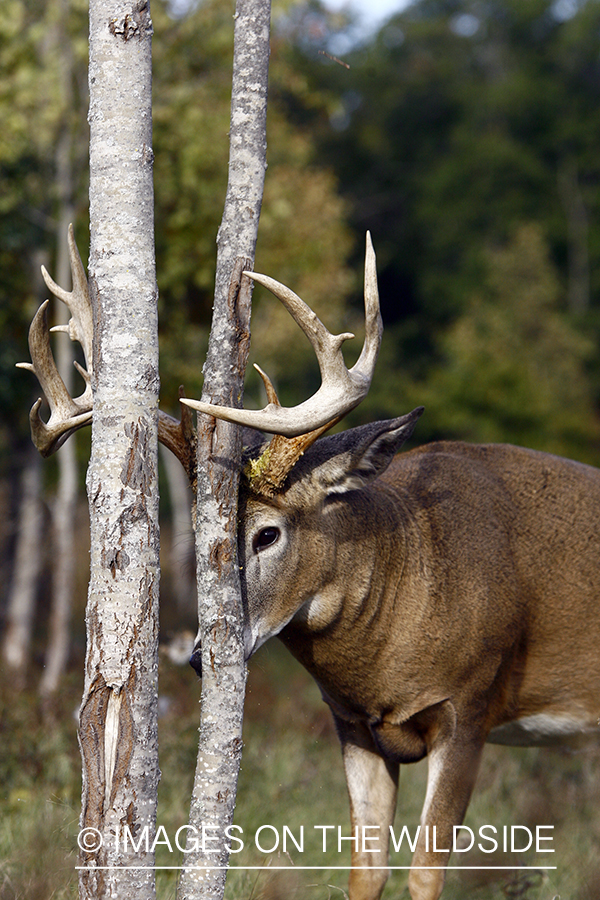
point(220, 555)
point(126, 741)
point(118, 561)
point(91, 739)
point(135, 24)
point(137, 472)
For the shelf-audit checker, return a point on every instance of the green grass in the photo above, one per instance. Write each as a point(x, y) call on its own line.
point(291, 776)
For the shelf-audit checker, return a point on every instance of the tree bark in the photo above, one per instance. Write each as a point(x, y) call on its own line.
point(118, 719)
point(219, 457)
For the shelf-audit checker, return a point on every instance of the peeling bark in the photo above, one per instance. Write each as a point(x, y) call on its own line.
point(118, 719)
point(219, 456)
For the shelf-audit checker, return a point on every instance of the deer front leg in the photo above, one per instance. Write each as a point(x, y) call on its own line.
point(453, 766)
point(373, 788)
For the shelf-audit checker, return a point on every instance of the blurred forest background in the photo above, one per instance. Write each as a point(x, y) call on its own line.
point(465, 136)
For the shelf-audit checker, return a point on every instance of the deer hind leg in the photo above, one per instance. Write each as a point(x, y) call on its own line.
point(373, 788)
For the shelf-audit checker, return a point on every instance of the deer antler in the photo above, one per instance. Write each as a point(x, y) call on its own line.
point(268, 473)
point(67, 414)
point(341, 389)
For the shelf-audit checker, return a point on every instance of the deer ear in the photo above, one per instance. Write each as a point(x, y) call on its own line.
point(365, 453)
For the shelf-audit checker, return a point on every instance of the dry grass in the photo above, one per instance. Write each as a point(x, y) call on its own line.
point(291, 775)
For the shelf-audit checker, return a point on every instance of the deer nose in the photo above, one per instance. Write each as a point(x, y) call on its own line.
point(196, 660)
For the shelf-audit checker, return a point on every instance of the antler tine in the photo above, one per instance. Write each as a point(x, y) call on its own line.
point(179, 438)
point(341, 389)
point(81, 324)
point(269, 388)
point(67, 414)
point(365, 363)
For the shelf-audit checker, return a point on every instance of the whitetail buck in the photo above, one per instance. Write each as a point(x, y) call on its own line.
point(441, 598)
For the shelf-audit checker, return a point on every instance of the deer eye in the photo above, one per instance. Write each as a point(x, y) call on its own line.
point(264, 538)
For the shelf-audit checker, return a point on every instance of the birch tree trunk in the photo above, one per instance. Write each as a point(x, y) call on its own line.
point(219, 456)
point(118, 719)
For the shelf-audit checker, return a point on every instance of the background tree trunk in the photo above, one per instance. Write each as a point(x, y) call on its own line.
point(181, 554)
point(578, 285)
point(16, 647)
point(219, 456)
point(65, 501)
point(118, 720)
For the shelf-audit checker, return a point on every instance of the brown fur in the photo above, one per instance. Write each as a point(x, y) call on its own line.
point(434, 596)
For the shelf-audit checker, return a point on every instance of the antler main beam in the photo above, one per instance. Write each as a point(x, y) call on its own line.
point(67, 414)
point(341, 389)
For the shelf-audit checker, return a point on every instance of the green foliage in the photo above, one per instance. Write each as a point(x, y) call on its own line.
point(458, 125)
point(512, 366)
point(43, 60)
point(303, 239)
point(453, 124)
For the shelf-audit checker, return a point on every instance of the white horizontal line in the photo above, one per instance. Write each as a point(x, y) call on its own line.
point(329, 868)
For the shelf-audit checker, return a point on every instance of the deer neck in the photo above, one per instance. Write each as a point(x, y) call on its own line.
point(340, 633)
